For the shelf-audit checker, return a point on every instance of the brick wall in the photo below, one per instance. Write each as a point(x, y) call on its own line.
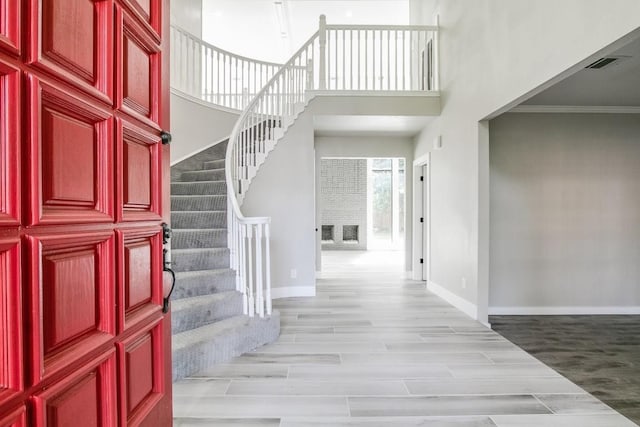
point(343, 200)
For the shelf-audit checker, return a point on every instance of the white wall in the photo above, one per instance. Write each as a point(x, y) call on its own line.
point(284, 189)
point(565, 212)
point(194, 126)
point(493, 53)
point(291, 169)
point(368, 147)
point(187, 14)
point(252, 28)
point(342, 201)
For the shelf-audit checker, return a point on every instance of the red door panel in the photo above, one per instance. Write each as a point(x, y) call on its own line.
point(84, 189)
point(11, 378)
point(71, 160)
point(16, 418)
point(74, 270)
point(139, 157)
point(10, 26)
point(147, 12)
point(138, 70)
point(72, 40)
point(86, 397)
point(9, 145)
point(141, 375)
point(140, 288)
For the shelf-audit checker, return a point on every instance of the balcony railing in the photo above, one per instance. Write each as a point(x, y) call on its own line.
point(214, 75)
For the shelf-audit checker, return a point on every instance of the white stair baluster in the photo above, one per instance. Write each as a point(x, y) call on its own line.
point(243, 268)
point(259, 278)
point(249, 281)
point(267, 260)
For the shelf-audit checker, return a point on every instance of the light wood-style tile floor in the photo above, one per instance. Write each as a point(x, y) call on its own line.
point(373, 349)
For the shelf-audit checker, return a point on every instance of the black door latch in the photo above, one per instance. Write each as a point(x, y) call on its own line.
point(165, 137)
point(166, 266)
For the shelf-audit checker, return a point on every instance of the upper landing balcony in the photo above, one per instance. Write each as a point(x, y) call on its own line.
point(351, 71)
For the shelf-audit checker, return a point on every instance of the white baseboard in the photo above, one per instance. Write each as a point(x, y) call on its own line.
point(548, 311)
point(461, 304)
point(293, 291)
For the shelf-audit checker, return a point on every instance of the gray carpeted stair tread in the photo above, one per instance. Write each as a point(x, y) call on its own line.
point(214, 153)
point(202, 301)
point(206, 188)
point(185, 238)
point(214, 164)
point(203, 175)
point(194, 312)
point(218, 271)
point(195, 259)
point(197, 250)
point(190, 202)
point(196, 350)
point(195, 283)
point(198, 219)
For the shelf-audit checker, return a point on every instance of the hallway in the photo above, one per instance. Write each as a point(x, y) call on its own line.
point(372, 349)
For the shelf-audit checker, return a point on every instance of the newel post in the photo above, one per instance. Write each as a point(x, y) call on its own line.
point(322, 70)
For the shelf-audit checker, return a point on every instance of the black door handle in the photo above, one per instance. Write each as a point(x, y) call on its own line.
point(165, 137)
point(166, 266)
point(166, 301)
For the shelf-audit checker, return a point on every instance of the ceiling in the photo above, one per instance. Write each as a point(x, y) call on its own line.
point(261, 29)
point(328, 125)
point(615, 85)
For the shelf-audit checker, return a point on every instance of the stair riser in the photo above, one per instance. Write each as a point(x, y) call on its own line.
point(198, 220)
point(213, 164)
point(200, 261)
point(205, 175)
point(200, 315)
point(199, 239)
point(203, 285)
point(221, 349)
point(198, 203)
point(196, 188)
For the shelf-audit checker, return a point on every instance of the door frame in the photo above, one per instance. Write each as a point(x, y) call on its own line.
point(422, 209)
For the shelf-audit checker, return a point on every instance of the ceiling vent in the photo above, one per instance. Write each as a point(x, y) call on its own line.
point(605, 62)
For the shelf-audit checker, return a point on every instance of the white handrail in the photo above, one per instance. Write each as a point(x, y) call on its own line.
point(215, 75)
point(337, 57)
point(249, 238)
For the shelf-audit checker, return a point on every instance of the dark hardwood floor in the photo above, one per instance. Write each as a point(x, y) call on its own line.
point(599, 353)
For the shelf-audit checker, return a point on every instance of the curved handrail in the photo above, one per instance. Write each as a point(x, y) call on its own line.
point(226, 52)
point(246, 234)
point(241, 120)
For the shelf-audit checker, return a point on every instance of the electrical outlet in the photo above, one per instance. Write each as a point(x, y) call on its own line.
point(294, 273)
point(464, 283)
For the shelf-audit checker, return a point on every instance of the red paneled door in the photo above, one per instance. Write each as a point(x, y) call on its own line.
point(83, 193)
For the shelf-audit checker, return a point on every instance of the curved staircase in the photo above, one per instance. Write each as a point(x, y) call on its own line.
point(222, 301)
point(207, 315)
